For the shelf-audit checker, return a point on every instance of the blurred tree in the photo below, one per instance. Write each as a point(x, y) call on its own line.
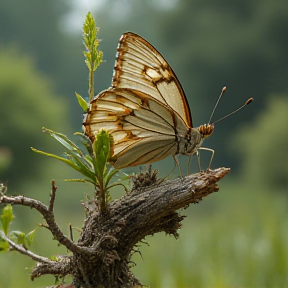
point(27, 103)
point(262, 146)
point(34, 27)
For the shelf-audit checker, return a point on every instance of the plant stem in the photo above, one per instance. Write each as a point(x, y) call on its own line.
point(91, 85)
point(102, 198)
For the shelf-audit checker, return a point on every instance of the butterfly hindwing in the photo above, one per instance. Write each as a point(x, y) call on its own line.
point(142, 128)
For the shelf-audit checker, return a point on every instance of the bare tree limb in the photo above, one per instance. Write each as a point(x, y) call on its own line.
point(24, 251)
point(61, 267)
point(48, 216)
point(52, 196)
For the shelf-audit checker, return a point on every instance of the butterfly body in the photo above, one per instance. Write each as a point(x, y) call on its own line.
point(192, 141)
point(145, 109)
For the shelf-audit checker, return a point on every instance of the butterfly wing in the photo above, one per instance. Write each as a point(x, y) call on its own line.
point(141, 67)
point(143, 129)
point(145, 110)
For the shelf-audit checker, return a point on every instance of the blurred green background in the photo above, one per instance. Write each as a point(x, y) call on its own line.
point(235, 238)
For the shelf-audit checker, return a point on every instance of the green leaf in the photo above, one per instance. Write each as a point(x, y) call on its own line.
point(101, 147)
point(78, 180)
point(4, 245)
point(54, 258)
point(29, 237)
point(64, 140)
point(98, 61)
point(18, 237)
point(83, 163)
point(75, 163)
point(86, 142)
point(83, 104)
point(67, 161)
point(21, 238)
point(109, 175)
point(92, 164)
point(76, 158)
point(6, 218)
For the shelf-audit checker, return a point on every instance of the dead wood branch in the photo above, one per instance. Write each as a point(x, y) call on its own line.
point(102, 256)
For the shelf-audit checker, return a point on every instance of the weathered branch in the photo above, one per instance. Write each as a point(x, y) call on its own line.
point(52, 196)
point(25, 251)
point(61, 267)
point(139, 213)
point(48, 216)
point(102, 256)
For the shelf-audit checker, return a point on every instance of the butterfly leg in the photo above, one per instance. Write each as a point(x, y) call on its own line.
point(177, 163)
point(212, 156)
point(198, 158)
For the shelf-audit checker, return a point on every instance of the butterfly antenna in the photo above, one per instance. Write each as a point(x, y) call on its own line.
point(245, 104)
point(222, 92)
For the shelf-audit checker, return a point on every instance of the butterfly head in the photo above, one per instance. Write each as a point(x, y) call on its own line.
point(206, 130)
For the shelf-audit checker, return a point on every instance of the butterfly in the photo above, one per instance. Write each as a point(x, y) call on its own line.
point(145, 109)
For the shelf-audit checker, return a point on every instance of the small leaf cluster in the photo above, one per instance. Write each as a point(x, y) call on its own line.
point(92, 163)
point(92, 54)
point(17, 237)
point(93, 57)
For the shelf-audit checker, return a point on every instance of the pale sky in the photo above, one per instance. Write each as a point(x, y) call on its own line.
point(119, 9)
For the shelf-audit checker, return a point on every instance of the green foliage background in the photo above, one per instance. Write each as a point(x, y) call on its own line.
point(236, 238)
point(27, 99)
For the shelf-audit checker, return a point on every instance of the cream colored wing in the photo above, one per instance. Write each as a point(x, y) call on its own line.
point(139, 66)
point(144, 130)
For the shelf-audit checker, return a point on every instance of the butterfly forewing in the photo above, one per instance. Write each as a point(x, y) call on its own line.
point(141, 67)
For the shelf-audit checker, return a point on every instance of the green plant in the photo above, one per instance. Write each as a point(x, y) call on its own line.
point(101, 256)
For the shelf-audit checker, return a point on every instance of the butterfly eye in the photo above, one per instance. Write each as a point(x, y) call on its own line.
point(206, 130)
